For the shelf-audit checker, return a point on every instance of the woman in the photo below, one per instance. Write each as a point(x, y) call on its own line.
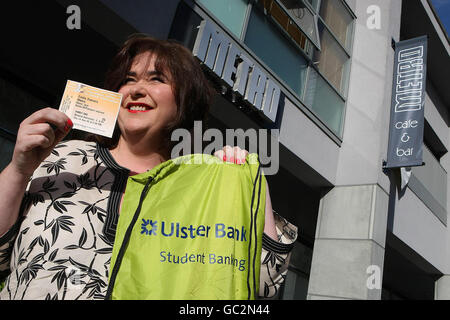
point(59, 238)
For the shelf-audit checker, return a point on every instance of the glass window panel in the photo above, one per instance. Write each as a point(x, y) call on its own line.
point(276, 51)
point(332, 61)
point(285, 22)
point(338, 19)
point(314, 4)
point(302, 16)
point(231, 13)
point(324, 101)
point(277, 13)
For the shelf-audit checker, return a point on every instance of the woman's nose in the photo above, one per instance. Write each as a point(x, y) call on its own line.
point(137, 90)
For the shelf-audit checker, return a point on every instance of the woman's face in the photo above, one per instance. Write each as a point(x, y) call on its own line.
point(148, 102)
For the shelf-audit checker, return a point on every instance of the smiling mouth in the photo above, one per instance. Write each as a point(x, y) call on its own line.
point(138, 107)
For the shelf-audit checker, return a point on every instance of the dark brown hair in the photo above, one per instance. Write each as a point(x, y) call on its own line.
point(192, 91)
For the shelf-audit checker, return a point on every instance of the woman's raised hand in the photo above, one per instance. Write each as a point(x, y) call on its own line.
point(37, 136)
point(232, 154)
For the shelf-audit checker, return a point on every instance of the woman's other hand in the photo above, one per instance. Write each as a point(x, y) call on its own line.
point(232, 154)
point(37, 136)
point(238, 156)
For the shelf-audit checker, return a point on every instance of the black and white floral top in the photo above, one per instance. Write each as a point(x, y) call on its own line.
point(60, 248)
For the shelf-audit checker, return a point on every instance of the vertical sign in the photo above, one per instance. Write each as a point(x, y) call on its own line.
point(408, 99)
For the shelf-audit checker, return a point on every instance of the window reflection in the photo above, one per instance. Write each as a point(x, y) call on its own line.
point(231, 13)
point(281, 55)
point(324, 101)
point(331, 60)
point(338, 19)
point(302, 16)
point(287, 23)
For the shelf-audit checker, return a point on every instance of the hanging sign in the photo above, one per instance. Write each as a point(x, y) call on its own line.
point(407, 105)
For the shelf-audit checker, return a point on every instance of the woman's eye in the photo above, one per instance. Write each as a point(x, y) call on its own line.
point(127, 80)
point(158, 79)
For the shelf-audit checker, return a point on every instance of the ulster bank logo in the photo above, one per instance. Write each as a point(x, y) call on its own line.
point(149, 227)
point(177, 230)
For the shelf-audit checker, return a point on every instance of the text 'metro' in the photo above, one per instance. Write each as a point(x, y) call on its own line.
point(236, 69)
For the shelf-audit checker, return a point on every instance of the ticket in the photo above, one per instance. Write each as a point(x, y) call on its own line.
point(91, 109)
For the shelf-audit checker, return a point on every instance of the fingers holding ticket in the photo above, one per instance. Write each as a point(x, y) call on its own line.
point(37, 136)
point(82, 107)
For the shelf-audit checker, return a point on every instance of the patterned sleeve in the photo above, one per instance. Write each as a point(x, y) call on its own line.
point(8, 239)
point(275, 258)
point(6, 245)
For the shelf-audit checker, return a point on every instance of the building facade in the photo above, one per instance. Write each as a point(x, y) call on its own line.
point(317, 76)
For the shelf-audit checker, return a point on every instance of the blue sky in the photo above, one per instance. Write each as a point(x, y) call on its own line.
point(443, 9)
